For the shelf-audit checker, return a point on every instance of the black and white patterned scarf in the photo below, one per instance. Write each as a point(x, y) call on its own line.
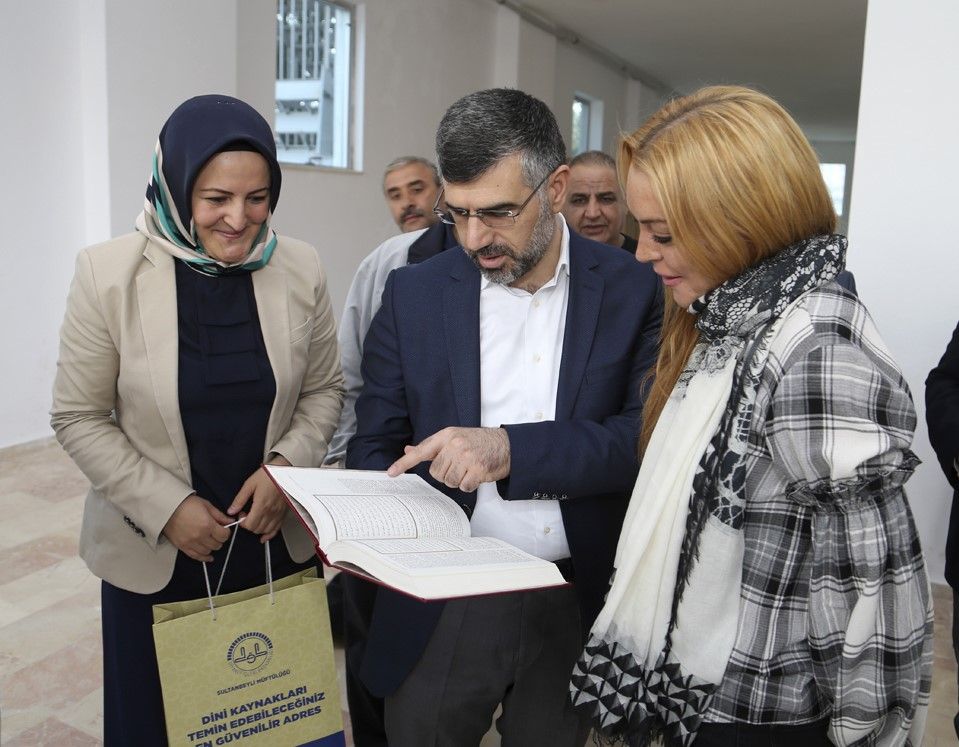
point(659, 648)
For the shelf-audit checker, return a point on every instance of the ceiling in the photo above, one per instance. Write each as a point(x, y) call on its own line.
point(805, 53)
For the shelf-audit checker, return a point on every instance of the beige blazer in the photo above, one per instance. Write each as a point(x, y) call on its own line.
point(115, 407)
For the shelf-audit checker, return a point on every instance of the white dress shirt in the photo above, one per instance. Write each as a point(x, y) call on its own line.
point(521, 347)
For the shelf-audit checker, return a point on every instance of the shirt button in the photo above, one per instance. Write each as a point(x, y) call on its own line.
point(537, 358)
point(538, 416)
point(536, 304)
point(547, 530)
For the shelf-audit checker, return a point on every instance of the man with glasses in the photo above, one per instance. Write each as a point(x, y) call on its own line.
point(509, 374)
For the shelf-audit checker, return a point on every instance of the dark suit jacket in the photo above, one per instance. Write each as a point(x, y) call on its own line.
point(942, 417)
point(421, 373)
point(848, 281)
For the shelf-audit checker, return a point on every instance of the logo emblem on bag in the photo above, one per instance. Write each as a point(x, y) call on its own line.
point(250, 653)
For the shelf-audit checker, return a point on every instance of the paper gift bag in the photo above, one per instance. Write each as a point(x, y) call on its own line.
point(250, 671)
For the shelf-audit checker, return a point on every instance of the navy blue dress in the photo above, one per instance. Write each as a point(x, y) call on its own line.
point(226, 392)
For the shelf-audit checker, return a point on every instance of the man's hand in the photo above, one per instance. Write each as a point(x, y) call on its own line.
point(197, 528)
point(269, 507)
point(462, 457)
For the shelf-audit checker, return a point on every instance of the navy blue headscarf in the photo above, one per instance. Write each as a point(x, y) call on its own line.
point(197, 130)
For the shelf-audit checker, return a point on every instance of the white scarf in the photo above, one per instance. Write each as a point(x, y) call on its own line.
point(639, 605)
point(647, 558)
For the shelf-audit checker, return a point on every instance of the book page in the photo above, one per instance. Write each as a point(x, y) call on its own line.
point(445, 568)
point(354, 504)
point(449, 554)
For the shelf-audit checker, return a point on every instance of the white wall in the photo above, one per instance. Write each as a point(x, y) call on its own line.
point(157, 56)
point(536, 63)
point(902, 219)
point(577, 72)
point(95, 128)
point(41, 145)
point(641, 102)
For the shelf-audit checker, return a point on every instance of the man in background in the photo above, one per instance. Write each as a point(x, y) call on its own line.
point(594, 206)
point(410, 185)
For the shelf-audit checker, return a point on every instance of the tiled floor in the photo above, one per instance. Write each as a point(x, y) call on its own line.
point(50, 676)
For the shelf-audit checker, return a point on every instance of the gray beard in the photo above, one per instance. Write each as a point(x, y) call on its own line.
point(523, 262)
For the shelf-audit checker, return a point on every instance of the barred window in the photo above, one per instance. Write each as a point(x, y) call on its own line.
point(314, 50)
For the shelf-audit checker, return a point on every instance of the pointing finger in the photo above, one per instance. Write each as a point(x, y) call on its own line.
point(426, 450)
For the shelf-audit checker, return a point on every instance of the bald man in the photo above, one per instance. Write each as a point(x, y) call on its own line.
point(594, 206)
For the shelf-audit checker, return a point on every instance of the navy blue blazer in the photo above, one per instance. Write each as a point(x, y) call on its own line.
point(421, 373)
point(848, 281)
point(942, 418)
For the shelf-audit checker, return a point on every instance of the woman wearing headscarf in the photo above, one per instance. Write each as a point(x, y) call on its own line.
point(192, 351)
point(769, 586)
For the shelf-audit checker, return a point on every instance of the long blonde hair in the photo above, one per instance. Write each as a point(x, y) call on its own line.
point(737, 181)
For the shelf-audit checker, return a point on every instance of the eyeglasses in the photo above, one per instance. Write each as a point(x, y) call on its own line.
point(492, 218)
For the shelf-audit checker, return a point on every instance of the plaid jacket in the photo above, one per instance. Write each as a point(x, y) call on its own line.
point(835, 616)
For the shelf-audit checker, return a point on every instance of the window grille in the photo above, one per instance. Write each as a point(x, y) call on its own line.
point(314, 41)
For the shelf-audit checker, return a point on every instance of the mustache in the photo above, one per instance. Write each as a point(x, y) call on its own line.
point(494, 250)
point(412, 212)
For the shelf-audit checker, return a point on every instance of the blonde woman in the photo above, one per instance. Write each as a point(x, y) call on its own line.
point(769, 585)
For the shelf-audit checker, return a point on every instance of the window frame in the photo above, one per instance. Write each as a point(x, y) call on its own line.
point(594, 122)
point(582, 144)
point(345, 152)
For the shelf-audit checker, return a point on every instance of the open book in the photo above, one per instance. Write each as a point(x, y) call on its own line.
point(403, 533)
